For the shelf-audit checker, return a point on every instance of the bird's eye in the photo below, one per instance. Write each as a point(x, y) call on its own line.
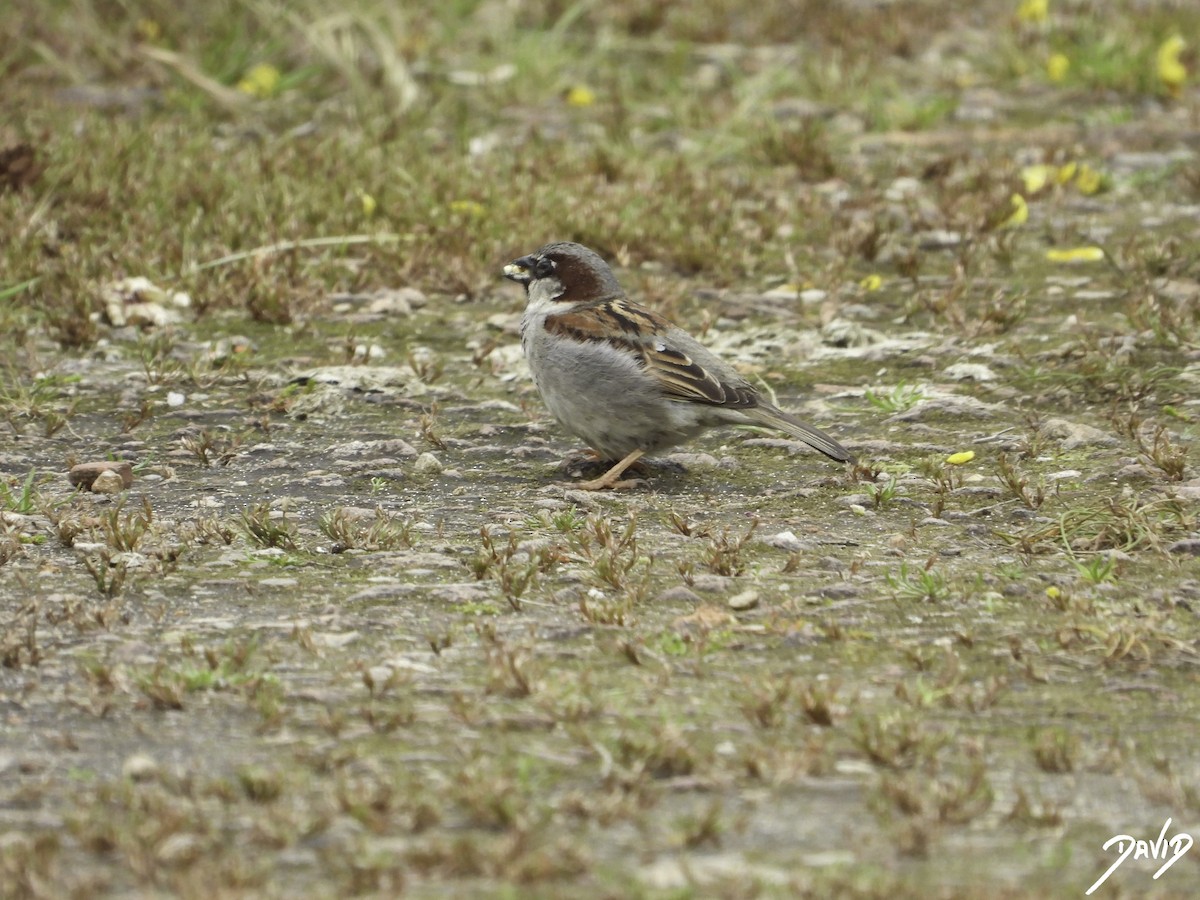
point(543, 267)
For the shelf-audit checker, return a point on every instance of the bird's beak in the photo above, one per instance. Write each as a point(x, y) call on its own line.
point(519, 270)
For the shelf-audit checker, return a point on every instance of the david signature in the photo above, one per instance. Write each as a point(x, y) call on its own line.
point(1179, 843)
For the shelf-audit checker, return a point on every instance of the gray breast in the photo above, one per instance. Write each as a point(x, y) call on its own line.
point(604, 397)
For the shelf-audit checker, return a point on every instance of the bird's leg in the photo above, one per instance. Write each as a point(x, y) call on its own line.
point(609, 478)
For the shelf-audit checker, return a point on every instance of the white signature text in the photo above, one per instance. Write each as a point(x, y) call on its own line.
point(1174, 846)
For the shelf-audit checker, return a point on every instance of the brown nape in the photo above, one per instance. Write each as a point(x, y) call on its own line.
point(580, 280)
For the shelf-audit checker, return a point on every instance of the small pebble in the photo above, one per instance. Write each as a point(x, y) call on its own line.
point(139, 767)
point(180, 849)
point(678, 594)
point(712, 584)
point(839, 590)
point(969, 372)
point(108, 482)
point(743, 601)
point(786, 540)
point(428, 464)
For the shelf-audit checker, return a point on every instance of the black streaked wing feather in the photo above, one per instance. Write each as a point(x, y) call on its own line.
point(684, 378)
point(683, 375)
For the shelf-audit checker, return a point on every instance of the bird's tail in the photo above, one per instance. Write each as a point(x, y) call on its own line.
point(815, 438)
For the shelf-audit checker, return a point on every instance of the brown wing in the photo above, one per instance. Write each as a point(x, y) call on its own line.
point(684, 369)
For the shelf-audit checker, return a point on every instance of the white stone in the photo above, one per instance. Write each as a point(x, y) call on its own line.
point(743, 601)
point(109, 482)
point(786, 540)
point(428, 464)
point(969, 372)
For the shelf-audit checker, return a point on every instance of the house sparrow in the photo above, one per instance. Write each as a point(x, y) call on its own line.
point(623, 378)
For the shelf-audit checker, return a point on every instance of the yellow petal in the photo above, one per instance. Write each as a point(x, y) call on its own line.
point(1053, 593)
point(1020, 214)
point(467, 208)
point(1033, 11)
point(368, 204)
point(1075, 255)
point(1088, 180)
point(871, 283)
point(580, 95)
point(1036, 177)
point(958, 459)
point(1066, 172)
point(261, 81)
point(1057, 67)
point(1170, 70)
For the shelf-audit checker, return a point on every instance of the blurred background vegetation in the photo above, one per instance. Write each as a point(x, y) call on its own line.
point(728, 140)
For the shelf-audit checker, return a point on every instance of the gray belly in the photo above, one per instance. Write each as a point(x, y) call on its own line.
point(607, 400)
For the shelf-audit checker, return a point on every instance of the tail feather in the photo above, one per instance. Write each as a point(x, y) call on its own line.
point(815, 438)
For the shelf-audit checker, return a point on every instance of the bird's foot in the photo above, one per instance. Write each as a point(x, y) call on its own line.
point(611, 479)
